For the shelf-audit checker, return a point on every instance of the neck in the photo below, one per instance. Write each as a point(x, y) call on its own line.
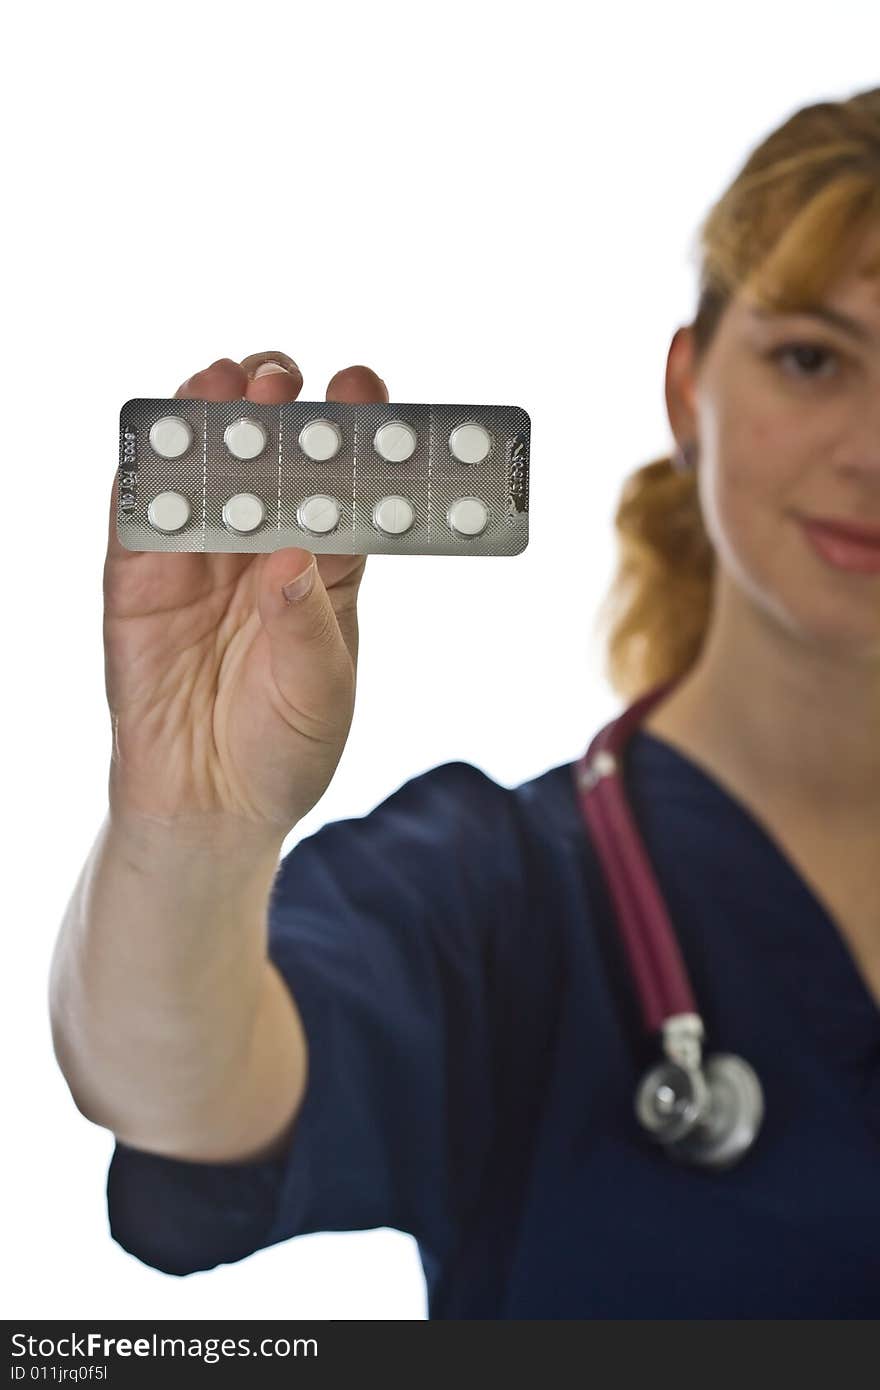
point(797, 723)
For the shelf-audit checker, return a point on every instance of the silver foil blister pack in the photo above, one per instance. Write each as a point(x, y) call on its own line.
point(328, 476)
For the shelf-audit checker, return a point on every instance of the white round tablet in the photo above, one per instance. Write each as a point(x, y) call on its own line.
point(171, 436)
point(320, 440)
point(395, 441)
point(470, 443)
point(318, 513)
point(168, 511)
point(245, 438)
point(468, 516)
point(394, 515)
point(243, 512)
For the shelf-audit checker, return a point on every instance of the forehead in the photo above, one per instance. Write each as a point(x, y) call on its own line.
point(845, 278)
point(851, 298)
point(858, 281)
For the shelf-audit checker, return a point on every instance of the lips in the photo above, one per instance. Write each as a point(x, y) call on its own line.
point(843, 546)
point(845, 530)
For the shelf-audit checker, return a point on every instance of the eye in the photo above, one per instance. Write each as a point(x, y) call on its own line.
point(806, 355)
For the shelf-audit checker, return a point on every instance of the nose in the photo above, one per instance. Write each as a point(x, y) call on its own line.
point(856, 455)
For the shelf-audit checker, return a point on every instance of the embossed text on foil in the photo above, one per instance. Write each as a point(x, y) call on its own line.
point(517, 459)
point(128, 471)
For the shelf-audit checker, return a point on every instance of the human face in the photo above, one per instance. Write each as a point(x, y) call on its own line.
point(785, 410)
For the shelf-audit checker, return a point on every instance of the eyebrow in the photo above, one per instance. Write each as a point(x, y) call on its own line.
point(821, 311)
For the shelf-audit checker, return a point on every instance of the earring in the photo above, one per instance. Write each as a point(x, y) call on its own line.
point(684, 460)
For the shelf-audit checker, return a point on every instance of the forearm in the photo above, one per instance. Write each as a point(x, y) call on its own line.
point(169, 1024)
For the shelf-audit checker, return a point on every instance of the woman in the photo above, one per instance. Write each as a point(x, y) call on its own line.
point(423, 1018)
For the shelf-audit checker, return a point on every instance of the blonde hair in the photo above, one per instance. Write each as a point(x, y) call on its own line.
point(780, 233)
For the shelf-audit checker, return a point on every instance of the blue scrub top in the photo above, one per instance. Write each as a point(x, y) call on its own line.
point(475, 1046)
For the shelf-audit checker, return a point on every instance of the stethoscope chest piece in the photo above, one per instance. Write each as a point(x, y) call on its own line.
point(708, 1115)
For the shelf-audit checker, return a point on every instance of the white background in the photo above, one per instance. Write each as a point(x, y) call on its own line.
point(485, 203)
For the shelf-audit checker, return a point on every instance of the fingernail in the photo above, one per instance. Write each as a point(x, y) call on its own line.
point(298, 588)
point(266, 367)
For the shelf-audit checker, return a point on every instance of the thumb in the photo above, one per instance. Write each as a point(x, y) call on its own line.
point(306, 645)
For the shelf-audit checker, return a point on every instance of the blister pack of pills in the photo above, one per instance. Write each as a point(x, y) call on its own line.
point(380, 478)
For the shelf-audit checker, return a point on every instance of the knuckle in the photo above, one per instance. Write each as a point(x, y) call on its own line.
point(323, 628)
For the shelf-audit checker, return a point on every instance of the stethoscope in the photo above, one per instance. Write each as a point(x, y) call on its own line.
point(708, 1111)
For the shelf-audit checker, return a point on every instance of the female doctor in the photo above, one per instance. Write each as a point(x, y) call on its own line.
point(441, 1017)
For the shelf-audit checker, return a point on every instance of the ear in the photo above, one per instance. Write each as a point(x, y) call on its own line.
point(681, 384)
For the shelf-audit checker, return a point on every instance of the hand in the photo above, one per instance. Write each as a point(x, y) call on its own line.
point(229, 705)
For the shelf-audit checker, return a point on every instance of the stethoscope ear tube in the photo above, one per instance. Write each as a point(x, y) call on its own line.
point(708, 1112)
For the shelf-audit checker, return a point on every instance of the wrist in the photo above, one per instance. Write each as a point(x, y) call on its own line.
point(230, 845)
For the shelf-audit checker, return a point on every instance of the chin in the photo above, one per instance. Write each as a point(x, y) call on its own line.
point(824, 624)
point(776, 573)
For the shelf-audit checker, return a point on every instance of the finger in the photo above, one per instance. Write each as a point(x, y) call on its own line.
point(273, 377)
point(223, 380)
point(356, 385)
point(115, 549)
point(305, 640)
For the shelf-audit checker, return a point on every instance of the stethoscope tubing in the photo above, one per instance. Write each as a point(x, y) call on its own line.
point(707, 1112)
point(658, 970)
